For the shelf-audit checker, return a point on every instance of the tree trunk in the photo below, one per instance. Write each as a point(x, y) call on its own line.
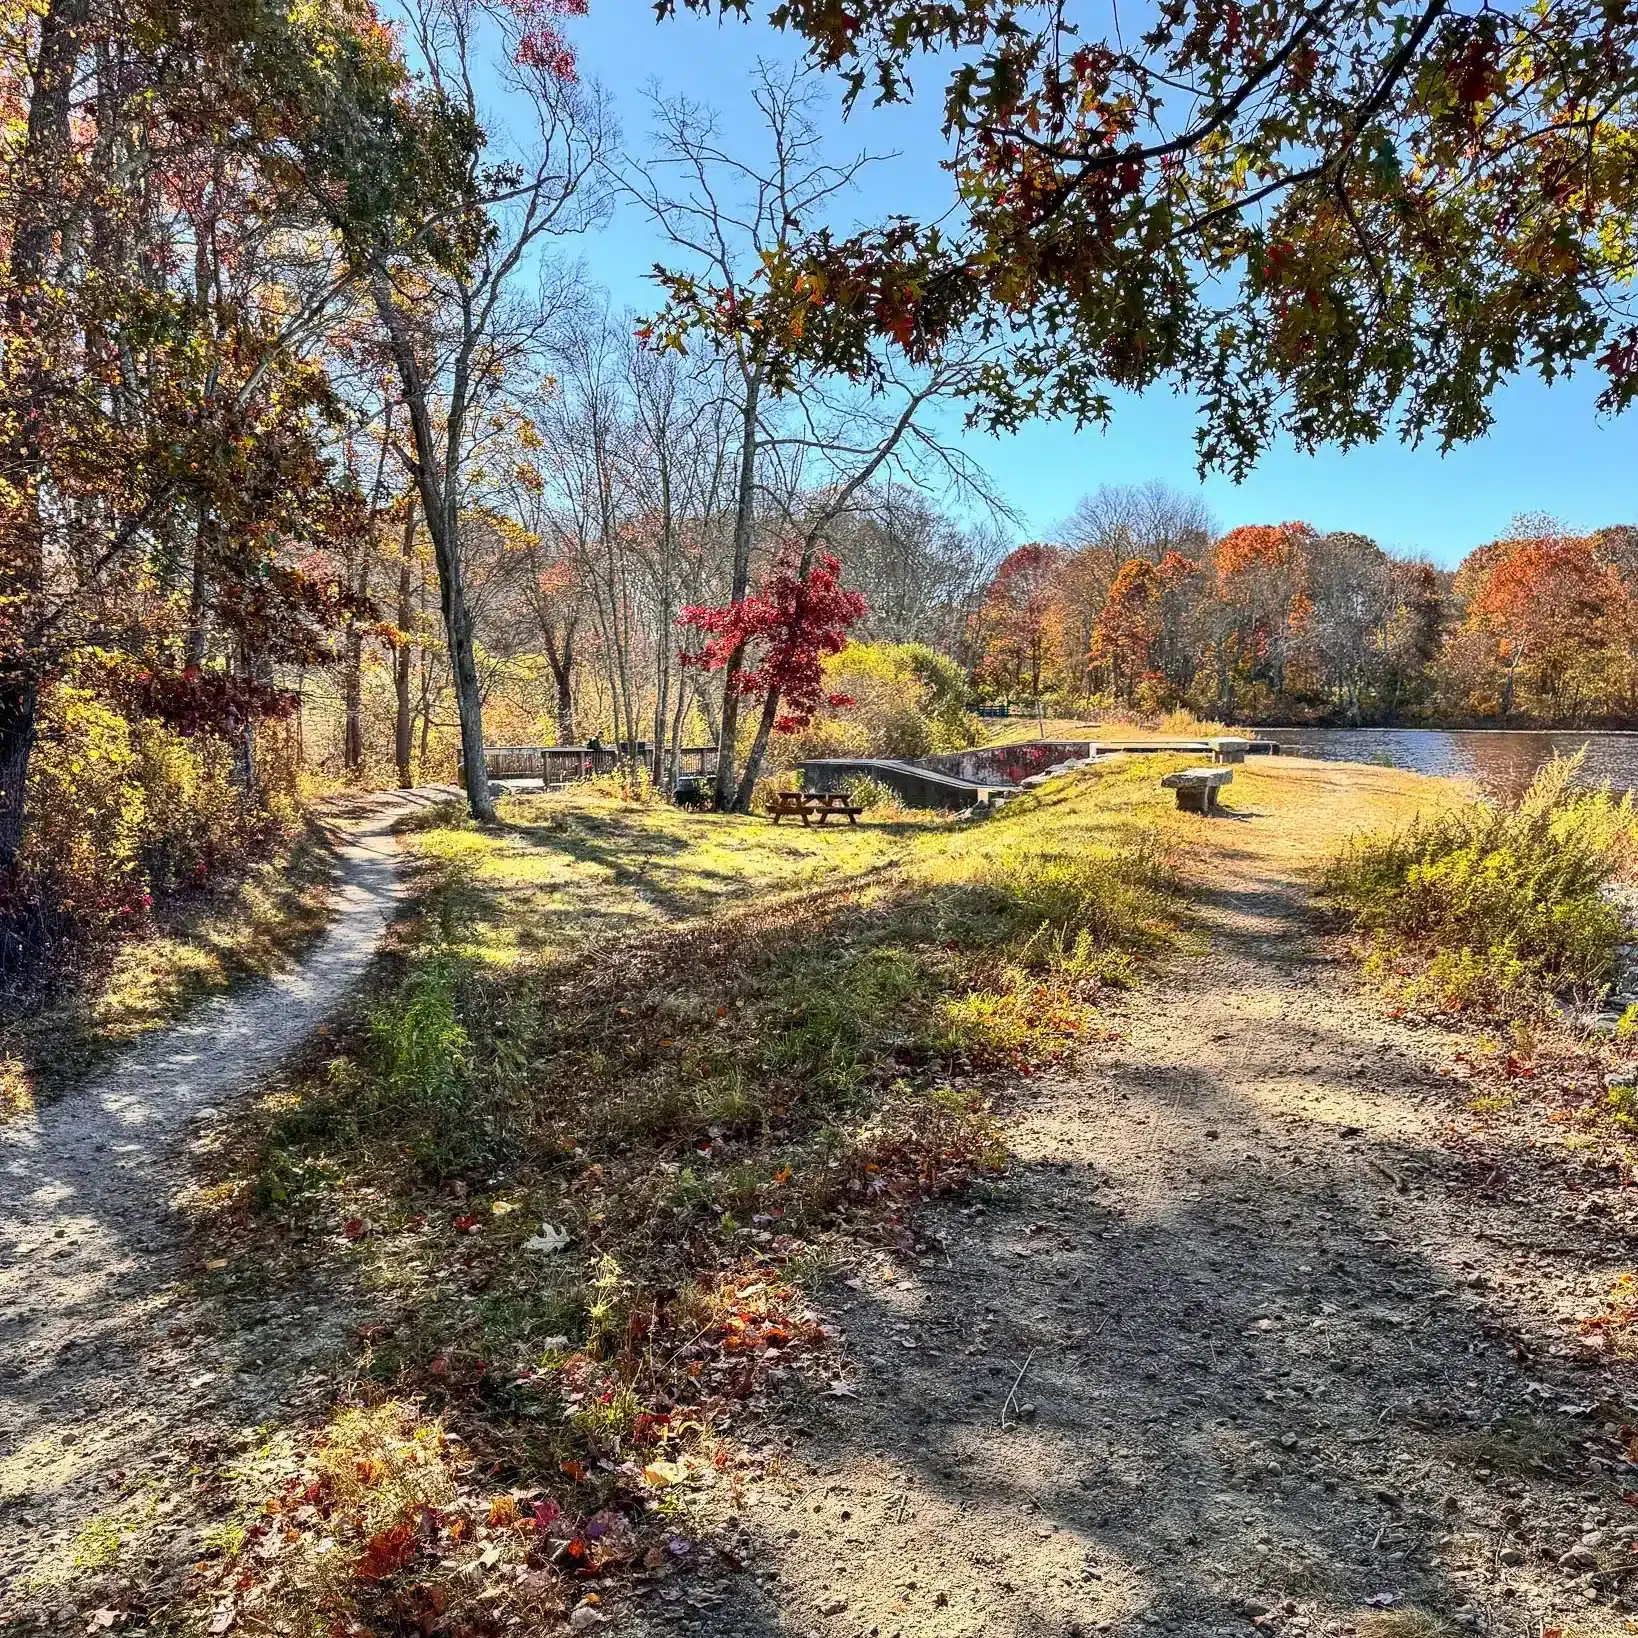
point(680, 712)
point(565, 707)
point(759, 748)
point(17, 722)
point(463, 668)
point(40, 189)
point(438, 482)
point(403, 726)
point(193, 649)
point(713, 728)
point(560, 657)
point(744, 510)
point(352, 740)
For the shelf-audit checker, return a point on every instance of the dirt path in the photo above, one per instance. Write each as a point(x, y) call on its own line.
point(102, 1366)
point(1219, 1355)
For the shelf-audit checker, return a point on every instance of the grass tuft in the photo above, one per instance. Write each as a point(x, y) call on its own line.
point(1495, 907)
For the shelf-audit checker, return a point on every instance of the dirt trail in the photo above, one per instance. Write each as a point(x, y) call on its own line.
point(98, 1368)
point(1219, 1354)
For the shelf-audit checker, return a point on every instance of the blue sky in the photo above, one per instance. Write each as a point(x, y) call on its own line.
point(1549, 450)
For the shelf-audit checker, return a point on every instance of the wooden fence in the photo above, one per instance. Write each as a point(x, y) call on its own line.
point(563, 764)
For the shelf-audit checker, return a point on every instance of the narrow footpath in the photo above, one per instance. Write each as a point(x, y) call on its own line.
point(98, 1367)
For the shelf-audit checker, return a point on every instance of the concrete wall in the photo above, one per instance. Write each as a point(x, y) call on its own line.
point(1006, 764)
point(915, 786)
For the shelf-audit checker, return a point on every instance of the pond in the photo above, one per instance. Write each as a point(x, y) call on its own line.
point(1499, 760)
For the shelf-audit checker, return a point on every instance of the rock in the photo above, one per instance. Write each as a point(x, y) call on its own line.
point(1578, 1558)
point(1622, 1077)
point(1511, 1555)
point(833, 1605)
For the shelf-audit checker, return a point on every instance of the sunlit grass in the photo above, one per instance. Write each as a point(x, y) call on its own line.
point(1495, 907)
point(715, 1057)
point(566, 868)
point(1106, 729)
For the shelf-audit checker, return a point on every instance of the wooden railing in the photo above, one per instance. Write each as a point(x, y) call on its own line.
point(563, 764)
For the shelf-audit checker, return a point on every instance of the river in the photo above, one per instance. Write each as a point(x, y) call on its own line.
point(1499, 760)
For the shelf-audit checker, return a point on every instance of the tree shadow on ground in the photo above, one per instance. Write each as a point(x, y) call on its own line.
point(1211, 1413)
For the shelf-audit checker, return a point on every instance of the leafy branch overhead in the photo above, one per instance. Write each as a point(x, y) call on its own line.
point(1319, 220)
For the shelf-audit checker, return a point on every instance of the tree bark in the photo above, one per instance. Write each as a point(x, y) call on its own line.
point(560, 657)
point(403, 726)
point(41, 184)
point(17, 723)
point(438, 483)
point(352, 742)
point(744, 512)
point(759, 747)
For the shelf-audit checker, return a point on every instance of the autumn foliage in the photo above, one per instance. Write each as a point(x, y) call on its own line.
point(1280, 622)
point(797, 617)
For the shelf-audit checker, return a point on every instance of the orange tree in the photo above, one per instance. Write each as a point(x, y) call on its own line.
point(1018, 623)
point(1262, 602)
point(1548, 609)
point(1320, 217)
point(1142, 631)
point(164, 432)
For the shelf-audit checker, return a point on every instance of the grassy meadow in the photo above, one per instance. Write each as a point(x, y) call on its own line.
point(633, 1080)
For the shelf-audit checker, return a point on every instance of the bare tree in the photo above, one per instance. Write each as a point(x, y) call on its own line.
point(462, 337)
point(810, 447)
point(727, 214)
point(1108, 528)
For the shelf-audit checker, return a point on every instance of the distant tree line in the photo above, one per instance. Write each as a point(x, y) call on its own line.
point(1145, 605)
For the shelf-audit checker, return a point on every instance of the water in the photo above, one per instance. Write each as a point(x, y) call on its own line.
point(1498, 760)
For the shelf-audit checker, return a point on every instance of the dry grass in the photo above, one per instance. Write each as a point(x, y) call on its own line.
point(721, 1057)
point(1403, 1624)
point(1107, 730)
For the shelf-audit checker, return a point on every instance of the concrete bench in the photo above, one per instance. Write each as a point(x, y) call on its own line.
point(1227, 748)
point(1197, 788)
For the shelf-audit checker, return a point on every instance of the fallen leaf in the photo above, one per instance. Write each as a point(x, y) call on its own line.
point(549, 1241)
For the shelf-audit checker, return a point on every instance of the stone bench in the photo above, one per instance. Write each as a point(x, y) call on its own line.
point(1227, 748)
point(1197, 788)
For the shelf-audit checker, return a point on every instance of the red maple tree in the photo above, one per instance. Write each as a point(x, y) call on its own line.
point(799, 614)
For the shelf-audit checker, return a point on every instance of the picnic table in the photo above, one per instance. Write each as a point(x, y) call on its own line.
point(808, 805)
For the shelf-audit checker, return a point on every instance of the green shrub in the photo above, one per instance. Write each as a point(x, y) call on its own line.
point(121, 812)
point(907, 701)
point(1080, 914)
point(867, 793)
point(1494, 906)
point(420, 1058)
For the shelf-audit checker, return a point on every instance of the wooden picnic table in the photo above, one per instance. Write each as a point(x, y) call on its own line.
point(808, 805)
